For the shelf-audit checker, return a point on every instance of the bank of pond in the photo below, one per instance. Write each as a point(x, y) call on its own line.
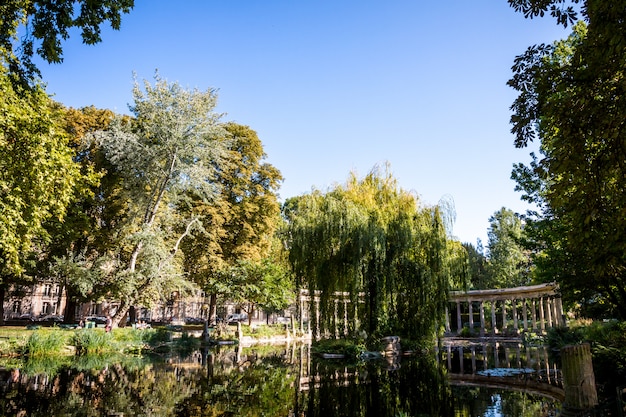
point(161, 372)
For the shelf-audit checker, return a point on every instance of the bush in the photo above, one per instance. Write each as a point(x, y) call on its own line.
point(348, 347)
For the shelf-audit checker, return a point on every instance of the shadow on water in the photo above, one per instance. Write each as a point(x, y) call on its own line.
point(264, 380)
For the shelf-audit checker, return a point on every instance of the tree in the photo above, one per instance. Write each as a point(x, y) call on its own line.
point(167, 158)
point(45, 24)
point(264, 284)
point(571, 98)
point(37, 175)
point(508, 264)
point(240, 224)
point(78, 242)
point(370, 237)
point(479, 277)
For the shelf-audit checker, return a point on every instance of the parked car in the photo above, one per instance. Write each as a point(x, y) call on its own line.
point(236, 318)
point(96, 319)
point(51, 318)
point(25, 317)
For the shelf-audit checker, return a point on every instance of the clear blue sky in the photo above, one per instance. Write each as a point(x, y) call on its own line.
point(334, 86)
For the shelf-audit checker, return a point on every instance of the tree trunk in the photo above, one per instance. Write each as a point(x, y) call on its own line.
point(132, 315)
point(2, 295)
point(119, 318)
point(213, 308)
point(69, 314)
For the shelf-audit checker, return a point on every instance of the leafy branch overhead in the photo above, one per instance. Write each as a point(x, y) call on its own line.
point(38, 27)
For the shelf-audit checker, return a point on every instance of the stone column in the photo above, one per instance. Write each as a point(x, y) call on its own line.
point(494, 327)
point(447, 320)
point(548, 310)
point(459, 324)
point(542, 323)
point(534, 314)
point(482, 318)
point(335, 320)
point(504, 316)
point(559, 309)
point(471, 316)
point(556, 317)
point(345, 317)
point(515, 324)
point(525, 313)
point(578, 378)
point(317, 319)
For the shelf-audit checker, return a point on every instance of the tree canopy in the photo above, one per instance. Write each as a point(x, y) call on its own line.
point(239, 225)
point(509, 263)
point(29, 27)
point(373, 240)
point(167, 157)
point(37, 176)
point(571, 98)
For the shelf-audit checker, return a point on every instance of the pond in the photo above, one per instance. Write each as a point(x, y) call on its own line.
point(267, 381)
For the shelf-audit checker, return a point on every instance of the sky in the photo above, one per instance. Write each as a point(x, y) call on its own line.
point(337, 86)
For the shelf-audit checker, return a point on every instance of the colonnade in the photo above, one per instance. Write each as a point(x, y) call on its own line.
point(343, 320)
point(535, 307)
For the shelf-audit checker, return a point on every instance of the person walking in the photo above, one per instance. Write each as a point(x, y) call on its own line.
point(108, 324)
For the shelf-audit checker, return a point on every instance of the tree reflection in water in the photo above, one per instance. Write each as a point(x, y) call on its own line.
point(273, 382)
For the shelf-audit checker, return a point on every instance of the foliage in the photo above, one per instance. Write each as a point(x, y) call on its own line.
point(240, 223)
point(479, 277)
point(45, 24)
point(166, 157)
point(571, 98)
point(509, 264)
point(73, 256)
point(351, 348)
point(369, 237)
point(37, 174)
point(608, 341)
point(92, 342)
point(46, 343)
point(263, 283)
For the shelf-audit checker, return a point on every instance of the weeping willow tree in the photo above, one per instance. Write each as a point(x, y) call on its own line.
point(374, 241)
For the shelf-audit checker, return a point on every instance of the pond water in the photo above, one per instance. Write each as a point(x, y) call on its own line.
point(274, 381)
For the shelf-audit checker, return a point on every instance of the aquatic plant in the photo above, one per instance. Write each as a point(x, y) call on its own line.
point(47, 343)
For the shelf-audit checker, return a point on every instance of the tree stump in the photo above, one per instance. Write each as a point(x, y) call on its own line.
point(579, 380)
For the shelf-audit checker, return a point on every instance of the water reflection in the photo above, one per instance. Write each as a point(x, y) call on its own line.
point(268, 381)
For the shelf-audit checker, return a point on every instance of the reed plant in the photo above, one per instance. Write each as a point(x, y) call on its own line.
point(47, 343)
point(92, 342)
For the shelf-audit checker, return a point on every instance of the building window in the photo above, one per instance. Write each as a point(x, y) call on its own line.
point(47, 290)
point(45, 309)
point(17, 306)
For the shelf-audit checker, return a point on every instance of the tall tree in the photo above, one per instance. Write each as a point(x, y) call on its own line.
point(572, 99)
point(369, 236)
point(37, 175)
point(78, 242)
point(39, 26)
point(479, 277)
point(240, 224)
point(509, 263)
point(167, 156)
